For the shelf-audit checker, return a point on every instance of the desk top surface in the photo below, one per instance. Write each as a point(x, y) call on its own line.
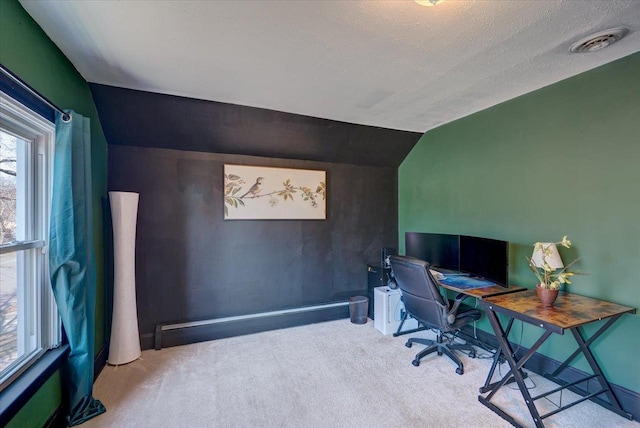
point(483, 292)
point(569, 310)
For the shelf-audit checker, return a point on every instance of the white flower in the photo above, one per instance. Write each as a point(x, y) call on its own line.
point(547, 276)
point(564, 277)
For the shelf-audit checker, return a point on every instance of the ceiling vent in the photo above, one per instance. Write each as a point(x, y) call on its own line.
point(599, 40)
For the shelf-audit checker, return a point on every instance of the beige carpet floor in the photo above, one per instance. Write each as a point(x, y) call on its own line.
point(333, 374)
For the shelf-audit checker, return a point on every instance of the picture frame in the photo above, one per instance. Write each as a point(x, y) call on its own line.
point(270, 193)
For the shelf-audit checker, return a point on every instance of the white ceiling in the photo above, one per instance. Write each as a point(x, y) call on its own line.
point(392, 64)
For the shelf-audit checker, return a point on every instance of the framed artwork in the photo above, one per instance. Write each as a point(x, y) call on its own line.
point(259, 193)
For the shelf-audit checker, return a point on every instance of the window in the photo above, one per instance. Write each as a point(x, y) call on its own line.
point(29, 324)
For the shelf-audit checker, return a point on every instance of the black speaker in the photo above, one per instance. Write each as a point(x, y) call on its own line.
point(385, 267)
point(374, 279)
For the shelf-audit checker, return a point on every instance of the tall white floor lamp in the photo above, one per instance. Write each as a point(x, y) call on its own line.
point(124, 346)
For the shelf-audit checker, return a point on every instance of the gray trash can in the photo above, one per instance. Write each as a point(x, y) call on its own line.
point(358, 309)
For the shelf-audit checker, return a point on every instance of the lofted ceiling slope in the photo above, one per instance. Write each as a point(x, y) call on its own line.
point(147, 119)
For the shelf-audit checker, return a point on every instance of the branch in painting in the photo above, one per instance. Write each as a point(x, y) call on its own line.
point(234, 185)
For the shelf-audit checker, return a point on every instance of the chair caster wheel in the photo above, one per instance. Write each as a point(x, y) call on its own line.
point(408, 344)
point(415, 363)
point(459, 371)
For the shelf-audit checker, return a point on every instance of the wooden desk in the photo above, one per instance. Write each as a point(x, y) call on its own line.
point(478, 293)
point(483, 292)
point(569, 312)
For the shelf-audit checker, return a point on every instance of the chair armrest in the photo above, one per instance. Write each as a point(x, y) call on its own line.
point(451, 316)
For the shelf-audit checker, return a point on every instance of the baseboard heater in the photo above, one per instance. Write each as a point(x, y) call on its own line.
point(323, 312)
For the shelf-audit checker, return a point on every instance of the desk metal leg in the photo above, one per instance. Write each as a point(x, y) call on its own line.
point(488, 386)
point(614, 405)
point(515, 371)
point(597, 334)
point(583, 348)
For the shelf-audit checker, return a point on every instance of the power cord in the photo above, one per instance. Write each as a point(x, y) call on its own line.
point(488, 352)
point(475, 324)
point(502, 361)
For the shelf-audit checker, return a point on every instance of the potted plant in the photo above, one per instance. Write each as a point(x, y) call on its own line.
point(547, 266)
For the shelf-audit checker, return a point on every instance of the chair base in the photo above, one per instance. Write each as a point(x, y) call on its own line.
point(441, 348)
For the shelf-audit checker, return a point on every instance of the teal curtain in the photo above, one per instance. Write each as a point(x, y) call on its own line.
point(71, 261)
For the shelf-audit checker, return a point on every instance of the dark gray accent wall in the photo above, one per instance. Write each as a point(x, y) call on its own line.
point(146, 119)
point(191, 264)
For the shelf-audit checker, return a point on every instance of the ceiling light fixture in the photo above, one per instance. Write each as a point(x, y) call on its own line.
point(428, 2)
point(599, 40)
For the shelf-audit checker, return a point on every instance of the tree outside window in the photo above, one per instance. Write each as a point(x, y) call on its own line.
point(8, 157)
point(8, 274)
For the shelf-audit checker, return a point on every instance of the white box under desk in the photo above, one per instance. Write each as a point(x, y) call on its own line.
point(388, 311)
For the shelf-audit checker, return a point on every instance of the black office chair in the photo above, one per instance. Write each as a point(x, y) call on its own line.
point(422, 300)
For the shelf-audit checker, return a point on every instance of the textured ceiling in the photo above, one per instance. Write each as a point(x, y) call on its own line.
point(391, 64)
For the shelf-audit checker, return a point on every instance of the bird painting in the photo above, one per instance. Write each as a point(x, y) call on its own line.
point(254, 192)
point(255, 189)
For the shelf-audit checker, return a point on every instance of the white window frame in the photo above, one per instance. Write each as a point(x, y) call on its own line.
point(37, 313)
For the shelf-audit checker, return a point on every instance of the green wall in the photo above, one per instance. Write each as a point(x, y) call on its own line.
point(27, 51)
point(36, 412)
point(563, 160)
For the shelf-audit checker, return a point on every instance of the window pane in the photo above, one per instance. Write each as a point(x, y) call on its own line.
point(8, 187)
point(29, 324)
point(8, 309)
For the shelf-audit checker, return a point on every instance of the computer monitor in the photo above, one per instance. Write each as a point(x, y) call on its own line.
point(488, 258)
point(482, 257)
point(440, 250)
